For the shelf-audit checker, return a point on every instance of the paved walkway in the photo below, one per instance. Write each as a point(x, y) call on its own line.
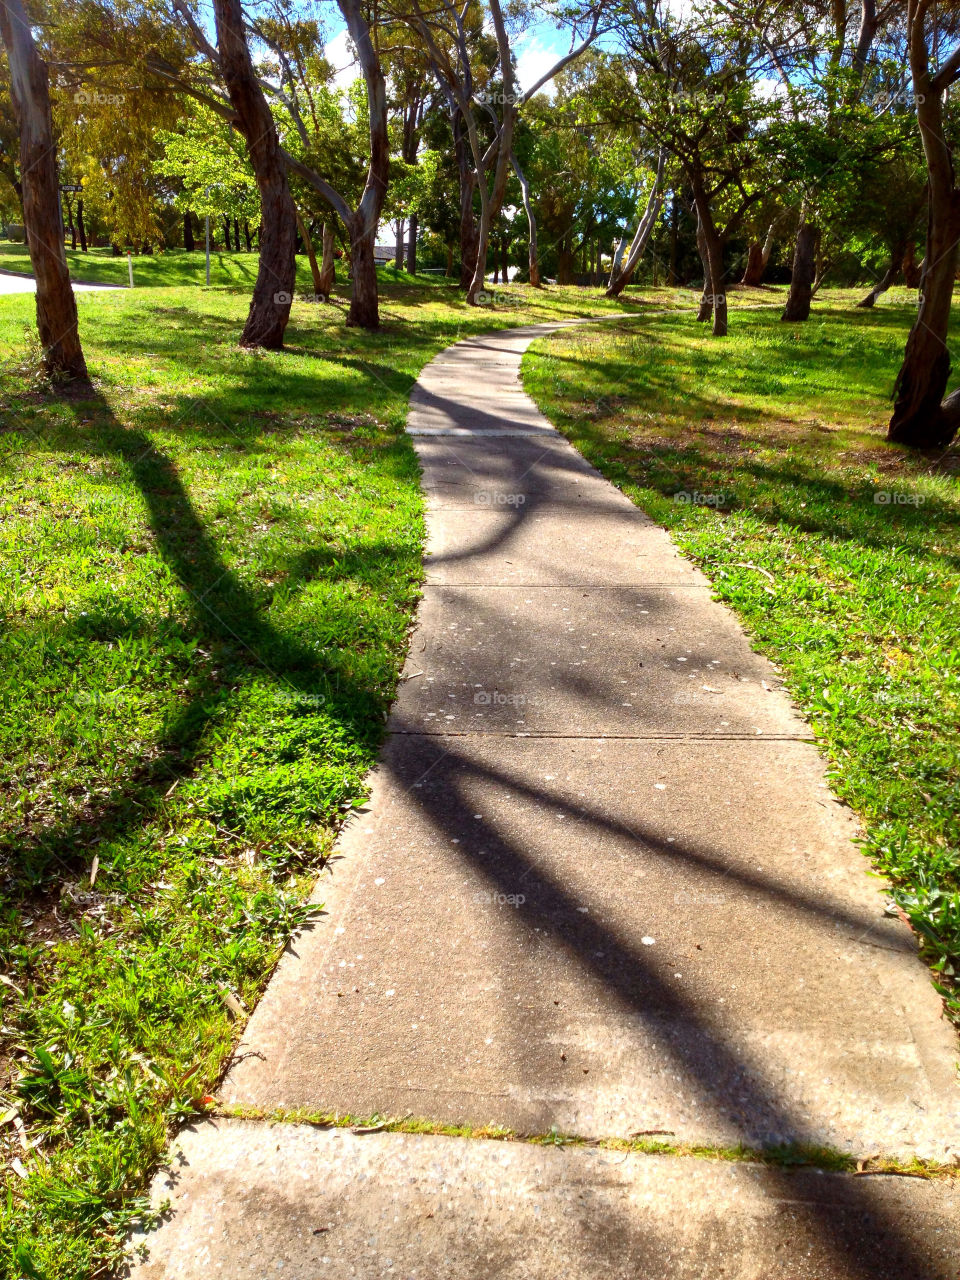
point(600, 888)
point(14, 282)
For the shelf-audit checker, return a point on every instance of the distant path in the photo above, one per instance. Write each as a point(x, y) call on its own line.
point(16, 282)
point(600, 889)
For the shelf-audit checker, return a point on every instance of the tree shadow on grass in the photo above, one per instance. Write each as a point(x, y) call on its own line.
point(225, 616)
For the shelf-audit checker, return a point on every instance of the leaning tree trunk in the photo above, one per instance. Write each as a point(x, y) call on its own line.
point(705, 307)
point(804, 272)
point(533, 255)
point(327, 262)
point(311, 257)
point(889, 276)
point(30, 92)
point(276, 277)
point(621, 275)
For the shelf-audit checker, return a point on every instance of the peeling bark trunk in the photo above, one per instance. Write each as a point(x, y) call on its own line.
point(328, 268)
point(30, 92)
point(804, 271)
point(276, 277)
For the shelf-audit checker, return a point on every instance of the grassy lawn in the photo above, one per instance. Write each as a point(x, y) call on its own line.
point(763, 453)
point(155, 270)
point(207, 572)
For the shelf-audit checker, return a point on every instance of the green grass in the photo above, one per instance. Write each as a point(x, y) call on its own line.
point(207, 572)
point(169, 269)
point(838, 551)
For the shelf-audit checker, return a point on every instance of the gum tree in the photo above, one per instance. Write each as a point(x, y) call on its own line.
point(30, 93)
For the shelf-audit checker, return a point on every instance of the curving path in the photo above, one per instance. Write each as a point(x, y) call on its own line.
point(601, 889)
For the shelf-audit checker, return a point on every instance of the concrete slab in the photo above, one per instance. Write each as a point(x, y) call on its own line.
point(608, 937)
point(510, 539)
point(632, 661)
point(542, 468)
point(251, 1200)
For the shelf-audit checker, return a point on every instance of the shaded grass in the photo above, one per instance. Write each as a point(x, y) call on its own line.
point(207, 572)
point(764, 455)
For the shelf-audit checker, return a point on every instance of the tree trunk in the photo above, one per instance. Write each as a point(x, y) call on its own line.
point(703, 312)
point(919, 418)
point(364, 307)
point(276, 276)
point(911, 272)
point(505, 260)
point(81, 226)
point(72, 226)
point(327, 263)
point(30, 92)
point(311, 256)
point(399, 246)
point(236, 234)
point(226, 232)
point(804, 272)
point(188, 241)
point(413, 229)
point(469, 231)
point(888, 278)
point(621, 273)
point(565, 262)
point(533, 257)
point(753, 274)
point(246, 236)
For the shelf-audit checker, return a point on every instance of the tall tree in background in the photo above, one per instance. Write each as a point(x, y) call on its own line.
point(921, 416)
point(30, 90)
point(276, 277)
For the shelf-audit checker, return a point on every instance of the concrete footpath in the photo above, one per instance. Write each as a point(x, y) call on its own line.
point(600, 889)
